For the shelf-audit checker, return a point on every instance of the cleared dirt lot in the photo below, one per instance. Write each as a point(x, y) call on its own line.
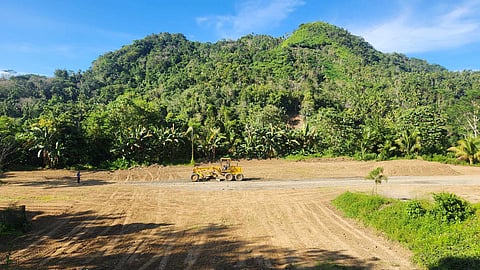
point(155, 218)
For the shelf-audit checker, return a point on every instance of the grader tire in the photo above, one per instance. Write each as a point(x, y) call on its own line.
point(229, 177)
point(239, 177)
point(195, 177)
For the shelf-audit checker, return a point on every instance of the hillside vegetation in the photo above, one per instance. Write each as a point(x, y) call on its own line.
point(164, 98)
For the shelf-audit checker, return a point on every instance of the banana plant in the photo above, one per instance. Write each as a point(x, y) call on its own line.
point(44, 142)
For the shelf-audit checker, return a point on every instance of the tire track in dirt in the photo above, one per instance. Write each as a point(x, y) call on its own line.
point(163, 241)
point(105, 245)
point(163, 257)
point(333, 238)
point(159, 242)
point(362, 242)
point(274, 231)
point(281, 220)
point(193, 252)
point(311, 221)
point(333, 230)
point(312, 232)
point(81, 235)
point(122, 243)
point(312, 235)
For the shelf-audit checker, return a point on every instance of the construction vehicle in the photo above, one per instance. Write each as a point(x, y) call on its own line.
point(226, 171)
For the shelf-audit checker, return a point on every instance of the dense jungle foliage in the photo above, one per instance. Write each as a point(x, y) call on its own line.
point(163, 98)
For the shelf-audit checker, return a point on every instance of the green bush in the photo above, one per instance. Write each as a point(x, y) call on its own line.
point(447, 159)
point(415, 209)
point(121, 164)
point(449, 208)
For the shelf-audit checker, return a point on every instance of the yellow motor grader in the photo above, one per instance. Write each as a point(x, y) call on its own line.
point(226, 171)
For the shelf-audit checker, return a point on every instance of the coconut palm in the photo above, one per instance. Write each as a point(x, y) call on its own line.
point(409, 142)
point(467, 149)
point(190, 131)
point(377, 176)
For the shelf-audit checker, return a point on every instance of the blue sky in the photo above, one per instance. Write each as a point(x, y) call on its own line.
point(41, 36)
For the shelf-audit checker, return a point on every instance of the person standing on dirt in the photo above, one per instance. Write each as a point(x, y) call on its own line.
point(78, 177)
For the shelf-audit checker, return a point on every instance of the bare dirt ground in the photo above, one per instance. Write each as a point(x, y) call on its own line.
point(280, 217)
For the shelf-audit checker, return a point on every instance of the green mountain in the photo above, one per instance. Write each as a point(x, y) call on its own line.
point(320, 90)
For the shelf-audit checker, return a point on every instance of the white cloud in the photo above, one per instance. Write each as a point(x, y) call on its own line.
point(7, 73)
point(251, 16)
point(439, 27)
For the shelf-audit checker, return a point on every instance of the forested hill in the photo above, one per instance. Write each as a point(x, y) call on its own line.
point(320, 90)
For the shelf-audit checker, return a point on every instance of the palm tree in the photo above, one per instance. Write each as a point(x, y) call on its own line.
point(467, 149)
point(377, 176)
point(409, 142)
point(190, 131)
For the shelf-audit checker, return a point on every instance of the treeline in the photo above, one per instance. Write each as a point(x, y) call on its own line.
point(164, 99)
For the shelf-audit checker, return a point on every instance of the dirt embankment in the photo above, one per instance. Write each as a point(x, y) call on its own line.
point(262, 169)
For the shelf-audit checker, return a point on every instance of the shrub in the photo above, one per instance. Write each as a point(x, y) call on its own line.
point(415, 209)
point(450, 208)
point(121, 164)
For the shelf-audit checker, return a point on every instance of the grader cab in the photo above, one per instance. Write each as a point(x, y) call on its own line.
point(226, 171)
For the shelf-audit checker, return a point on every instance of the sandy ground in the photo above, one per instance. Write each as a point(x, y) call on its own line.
point(280, 217)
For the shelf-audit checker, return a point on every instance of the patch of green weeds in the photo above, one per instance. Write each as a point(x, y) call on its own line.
point(444, 234)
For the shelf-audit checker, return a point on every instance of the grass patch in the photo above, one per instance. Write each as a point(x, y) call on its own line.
point(12, 199)
point(49, 198)
point(448, 159)
point(302, 157)
point(444, 234)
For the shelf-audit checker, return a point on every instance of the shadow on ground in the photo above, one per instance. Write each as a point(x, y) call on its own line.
point(58, 182)
point(92, 241)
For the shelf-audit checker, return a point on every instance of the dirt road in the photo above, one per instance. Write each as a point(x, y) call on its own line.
point(154, 218)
